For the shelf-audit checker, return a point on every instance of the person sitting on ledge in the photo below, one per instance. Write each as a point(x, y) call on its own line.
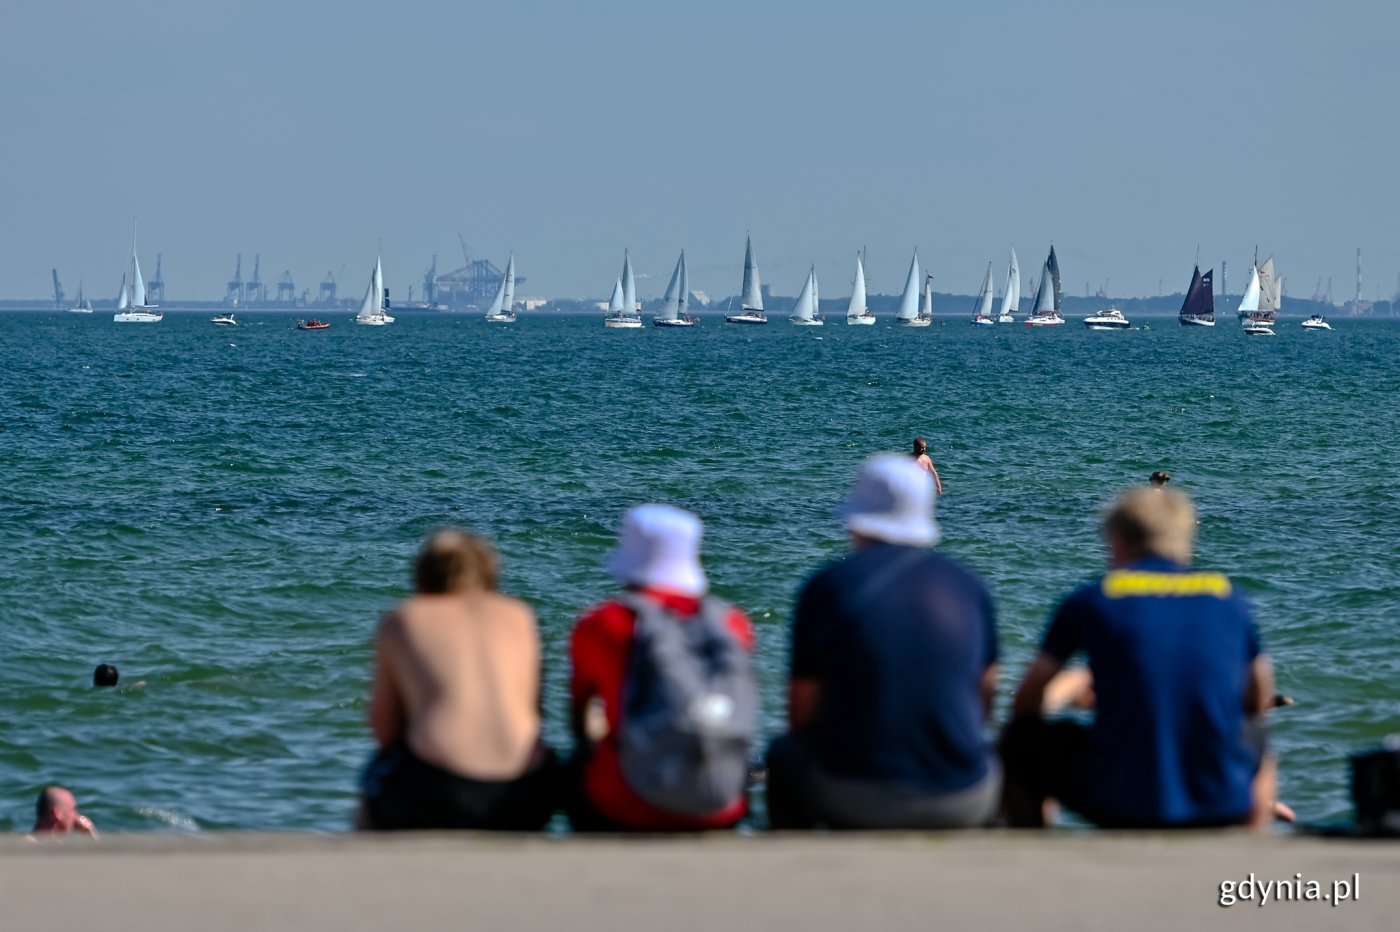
point(56, 813)
point(893, 672)
point(664, 705)
point(1179, 681)
point(455, 702)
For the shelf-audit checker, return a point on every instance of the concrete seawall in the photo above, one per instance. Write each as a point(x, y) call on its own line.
point(852, 882)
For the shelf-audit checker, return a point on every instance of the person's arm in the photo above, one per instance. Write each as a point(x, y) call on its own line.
point(1031, 693)
point(1259, 686)
point(990, 677)
point(386, 711)
point(937, 479)
point(805, 671)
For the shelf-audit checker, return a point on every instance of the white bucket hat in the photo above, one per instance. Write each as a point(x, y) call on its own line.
point(892, 501)
point(659, 546)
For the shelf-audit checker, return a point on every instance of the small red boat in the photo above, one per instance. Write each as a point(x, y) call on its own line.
point(313, 324)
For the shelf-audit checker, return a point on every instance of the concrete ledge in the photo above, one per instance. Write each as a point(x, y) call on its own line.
point(987, 880)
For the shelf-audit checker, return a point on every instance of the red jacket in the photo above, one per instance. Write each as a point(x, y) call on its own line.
point(598, 649)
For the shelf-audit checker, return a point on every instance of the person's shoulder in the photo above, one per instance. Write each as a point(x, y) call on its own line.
point(607, 618)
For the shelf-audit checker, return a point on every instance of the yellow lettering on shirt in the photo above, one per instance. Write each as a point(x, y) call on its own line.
point(1124, 584)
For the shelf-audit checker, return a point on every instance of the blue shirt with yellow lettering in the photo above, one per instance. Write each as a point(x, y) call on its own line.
point(1170, 649)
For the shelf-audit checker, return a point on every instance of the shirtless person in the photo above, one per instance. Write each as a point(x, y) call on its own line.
point(455, 702)
point(922, 458)
point(56, 813)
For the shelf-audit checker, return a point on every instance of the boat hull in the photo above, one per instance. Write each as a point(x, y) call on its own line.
point(1196, 322)
point(374, 321)
point(1006, 319)
point(1259, 330)
point(500, 318)
point(137, 317)
point(1316, 325)
point(623, 323)
point(223, 322)
point(983, 322)
point(1044, 321)
point(80, 310)
point(672, 322)
point(865, 320)
point(806, 322)
point(1117, 325)
point(913, 321)
point(744, 319)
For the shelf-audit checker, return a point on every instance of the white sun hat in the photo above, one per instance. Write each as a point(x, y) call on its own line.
point(659, 547)
point(892, 501)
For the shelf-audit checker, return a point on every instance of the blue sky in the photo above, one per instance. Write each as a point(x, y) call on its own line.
point(1129, 133)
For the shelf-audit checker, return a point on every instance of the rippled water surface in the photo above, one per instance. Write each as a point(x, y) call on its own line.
point(224, 513)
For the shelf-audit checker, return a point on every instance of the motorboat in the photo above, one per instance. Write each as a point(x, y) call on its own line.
point(313, 324)
point(1257, 328)
point(1111, 319)
point(1316, 322)
point(224, 320)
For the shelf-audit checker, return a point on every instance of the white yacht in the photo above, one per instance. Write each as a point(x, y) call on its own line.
point(1011, 296)
point(502, 309)
point(908, 314)
point(676, 300)
point(751, 300)
point(1046, 312)
point(804, 312)
point(857, 313)
point(1111, 319)
point(622, 308)
point(1316, 322)
point(131, 305)
point(983, 316)
point(224, 320)
point(374, 308)
point(1258, 328)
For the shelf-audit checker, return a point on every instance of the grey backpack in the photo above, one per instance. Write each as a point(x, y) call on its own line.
point(689, 709)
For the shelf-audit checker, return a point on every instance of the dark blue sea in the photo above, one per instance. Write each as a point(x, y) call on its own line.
point(224, 513)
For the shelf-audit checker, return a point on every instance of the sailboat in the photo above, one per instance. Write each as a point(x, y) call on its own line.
point(373, 310)
point(751, 299)
point(1261, 307)
point(1046, 312)
point(983, 317)
point(131, 306)
point(676, 299)
point(502, 309)
point(925, 317)
point(804, 312)
point(857, 312)
point(82, 305)
point(622, 309)
point(1011, 297)
point(1198, 310)
point(908, 313)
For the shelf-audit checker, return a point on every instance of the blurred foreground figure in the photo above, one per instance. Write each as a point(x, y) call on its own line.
point(1179, 682)
point(56, 813)
point(894, 666)
point(664, 701)
point(455, 702)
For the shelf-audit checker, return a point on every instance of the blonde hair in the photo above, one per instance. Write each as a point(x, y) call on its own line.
point(1157, 522)
point(455, 561)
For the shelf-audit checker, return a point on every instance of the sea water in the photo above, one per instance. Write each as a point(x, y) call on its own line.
point(224, 513)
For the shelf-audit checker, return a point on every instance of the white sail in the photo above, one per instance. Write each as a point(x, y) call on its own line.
point(671, 302)
point(928, 297)
point(984, 307)
point(1045, 296)
point(909, 302)
point(804, 309)
point(629, 285)
point(615, 304)
point(1011, 298)
point(816, 294)
point(138, 286)
point(509, 301)
point(1250, 302)
point(123, 298)
point(499, 301)
point(752, 299)
point(1268, 286)
point(857, 306)
point(683, 295)
point(374, 294)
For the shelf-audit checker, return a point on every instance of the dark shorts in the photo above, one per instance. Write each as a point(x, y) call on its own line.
point(802, 796)
point(403, 792)
point(1051, 759)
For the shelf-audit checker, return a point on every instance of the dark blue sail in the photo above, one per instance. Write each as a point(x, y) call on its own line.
point(1199, 306)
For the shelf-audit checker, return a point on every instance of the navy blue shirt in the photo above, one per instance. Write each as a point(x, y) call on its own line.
point(1170, 649)
point(898, 639)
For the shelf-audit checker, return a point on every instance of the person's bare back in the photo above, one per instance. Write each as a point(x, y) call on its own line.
point(458, 680)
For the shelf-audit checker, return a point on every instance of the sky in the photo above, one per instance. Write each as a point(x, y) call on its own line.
point(1129, 134)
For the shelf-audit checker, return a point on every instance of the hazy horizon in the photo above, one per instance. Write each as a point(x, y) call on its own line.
point(310, 133)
